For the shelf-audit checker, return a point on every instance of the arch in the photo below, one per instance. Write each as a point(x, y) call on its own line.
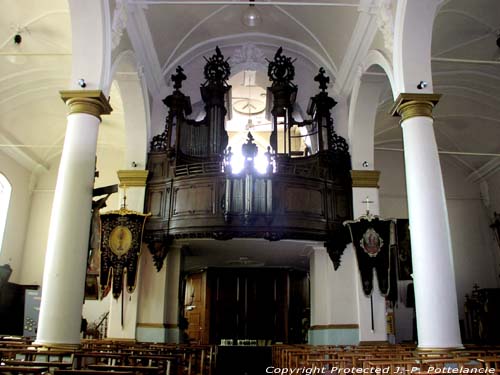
point(363, 107)
point(134, 97)
point(412, 44)
point(236, 40)
point(91, 46)
point(5, 194)
point(305, 29)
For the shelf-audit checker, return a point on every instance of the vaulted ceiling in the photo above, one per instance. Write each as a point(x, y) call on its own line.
point(466, 66)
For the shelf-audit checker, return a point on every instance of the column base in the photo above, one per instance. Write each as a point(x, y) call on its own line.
point(334, 334)
point(438, 349)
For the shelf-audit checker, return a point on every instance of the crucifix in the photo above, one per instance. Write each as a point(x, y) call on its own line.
point(367, 201)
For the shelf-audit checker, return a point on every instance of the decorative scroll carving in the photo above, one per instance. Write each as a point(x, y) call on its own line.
point(217, 70)
point(159, 142)
point(159, 246)
point(281, 71)
point(336, 244)
point(119, 23)
point(249, 55)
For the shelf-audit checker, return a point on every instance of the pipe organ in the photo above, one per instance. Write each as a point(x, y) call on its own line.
point(192, 191)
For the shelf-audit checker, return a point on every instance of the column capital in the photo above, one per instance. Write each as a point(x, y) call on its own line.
point(133, 177)
point(92, 102)
point(409, 105)
point(365, 179)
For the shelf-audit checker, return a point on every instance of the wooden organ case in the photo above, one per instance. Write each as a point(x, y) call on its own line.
point(192, 193)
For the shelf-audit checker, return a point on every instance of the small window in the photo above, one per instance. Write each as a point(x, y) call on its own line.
point(5, 190)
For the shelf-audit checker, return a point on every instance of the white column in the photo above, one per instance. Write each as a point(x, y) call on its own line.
point(68, 240)
point(433, 273)
point(365, 185)
point(122, 320)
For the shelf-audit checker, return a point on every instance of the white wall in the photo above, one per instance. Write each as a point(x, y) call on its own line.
point(38, 227)
point(17, 216)
point(108, 162)
point(472, 243)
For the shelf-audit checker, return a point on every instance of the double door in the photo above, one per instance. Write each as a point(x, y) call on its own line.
point(262, 305)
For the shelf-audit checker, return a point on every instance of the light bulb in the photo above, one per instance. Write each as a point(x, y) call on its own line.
point(251, 16)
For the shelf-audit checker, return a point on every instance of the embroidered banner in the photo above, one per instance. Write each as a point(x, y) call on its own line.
point(371, 237)
point(404, 249)
point(121, 238)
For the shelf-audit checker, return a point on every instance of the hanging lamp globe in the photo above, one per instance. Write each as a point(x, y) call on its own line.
point(251, 16)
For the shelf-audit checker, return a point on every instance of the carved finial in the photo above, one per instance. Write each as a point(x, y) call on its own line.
point(218, 52)
point(281, 70)
point(178, 78)
point(217, 70)
point(278, 53)
point(249, 149)
point(322, 79)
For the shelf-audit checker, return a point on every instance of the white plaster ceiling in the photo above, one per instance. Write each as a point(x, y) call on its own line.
point(467, 118)
point(32, 117)
point(246, 253)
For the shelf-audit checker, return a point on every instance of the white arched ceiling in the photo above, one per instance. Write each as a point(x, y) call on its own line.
point(412, 44)
point(32, 116)
point(375, 71)
point(91, 35)
point(135, 106)
point(175, 29)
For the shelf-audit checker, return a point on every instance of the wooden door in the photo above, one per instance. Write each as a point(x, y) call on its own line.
point(195, 309)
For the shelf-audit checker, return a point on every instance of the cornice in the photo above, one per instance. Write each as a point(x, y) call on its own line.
point(365, 179)
point(133, 177)
point(409, 105)
point(92, 102)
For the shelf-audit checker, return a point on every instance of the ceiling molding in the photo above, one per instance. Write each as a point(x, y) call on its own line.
point(463, 44)
point(466, 15)
point(144, 48)
point(328, 3)
point(207, 46)
point(485, 171)
point(311, 34)
point(53, 88)
point(461, 73)
point(39, 82)
point(460, 88)
point(188, 34)
point(36, 72)
point(23, 156)
point(440, 130)
point(472, 116)
point(359, 45)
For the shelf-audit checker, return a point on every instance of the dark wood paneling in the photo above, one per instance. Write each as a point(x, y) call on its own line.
point(255, 304)
point(194, 199)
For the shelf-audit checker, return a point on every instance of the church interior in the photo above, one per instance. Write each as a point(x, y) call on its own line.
point(249, 186)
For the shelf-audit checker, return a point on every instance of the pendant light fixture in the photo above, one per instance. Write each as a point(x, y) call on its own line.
point(251, 16)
